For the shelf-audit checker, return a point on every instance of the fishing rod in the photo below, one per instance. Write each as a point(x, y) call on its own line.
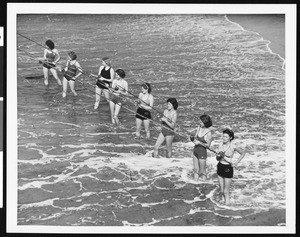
point(36, 58)
point(34, 41)
point(131, 111)
point(138, 99)
point(41, 61)
point(90, 74)
point(125, 97)
point(45, 47)
point(134, 112)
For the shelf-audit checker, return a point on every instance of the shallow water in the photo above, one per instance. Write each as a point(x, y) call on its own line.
point(75, 168)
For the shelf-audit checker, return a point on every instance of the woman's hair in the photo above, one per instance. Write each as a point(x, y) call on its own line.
point(50, 44)
point(72, 55)
point(121, 73)
point(174, 102)
point(206, 120)
point(106, 60)
point(229, 132)
point(146, 86)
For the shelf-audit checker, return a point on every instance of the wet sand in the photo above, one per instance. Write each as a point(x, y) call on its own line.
point(270, 27)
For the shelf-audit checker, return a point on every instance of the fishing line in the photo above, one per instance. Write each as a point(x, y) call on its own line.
point(123, 97)
point(134, 112)
point(34, 41)
point(39, 59)
point(90, 74)
point(139, 99)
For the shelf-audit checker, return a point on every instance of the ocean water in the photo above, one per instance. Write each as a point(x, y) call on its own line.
point(75, 168)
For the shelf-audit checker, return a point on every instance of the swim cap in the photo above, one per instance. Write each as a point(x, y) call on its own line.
point(105, 58)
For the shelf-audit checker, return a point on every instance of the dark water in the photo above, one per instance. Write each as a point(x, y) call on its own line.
point(75, 168)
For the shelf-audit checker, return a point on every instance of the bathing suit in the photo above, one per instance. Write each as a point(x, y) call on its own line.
point(71, 72)
point(225, 170)
point(105, 74)
point(143, 113)
point(166, 130)
point(200, 151)
point(120, 84)
point(49, 60)
point(116, 99)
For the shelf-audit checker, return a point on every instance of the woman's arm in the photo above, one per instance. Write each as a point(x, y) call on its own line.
point(79, 69)
point(58, 56)
point(66, 67)
point(196, 142)
point(45, 53)
point(112, 74)
point(99, 72)
point(242, 155)
point(150, 105)
point(208, 139)
point(170, 122)
point(124, 90)
point(113, 85)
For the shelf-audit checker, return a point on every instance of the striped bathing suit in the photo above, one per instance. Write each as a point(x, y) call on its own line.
point(71, 72)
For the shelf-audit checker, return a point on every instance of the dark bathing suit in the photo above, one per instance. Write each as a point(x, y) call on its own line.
point(200, 151)
point(142, 113)
point(166, 130)
point(71, 72)
point(105, 74)
point(49, 60)
point(225, 171)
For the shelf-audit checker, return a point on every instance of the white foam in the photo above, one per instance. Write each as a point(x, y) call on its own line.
point(262, 39)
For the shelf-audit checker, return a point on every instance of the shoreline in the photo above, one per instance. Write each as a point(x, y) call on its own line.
point(270, 27)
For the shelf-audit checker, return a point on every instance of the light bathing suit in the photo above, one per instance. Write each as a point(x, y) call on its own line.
point(121, 84)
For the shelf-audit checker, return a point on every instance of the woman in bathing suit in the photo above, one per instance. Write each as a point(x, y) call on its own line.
point(167, 131)
point(143, 114)
point(51, 57)
point(70, 72)
point(225, 166)
point(119, 87)
point(105, 77)
point(202, 141)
